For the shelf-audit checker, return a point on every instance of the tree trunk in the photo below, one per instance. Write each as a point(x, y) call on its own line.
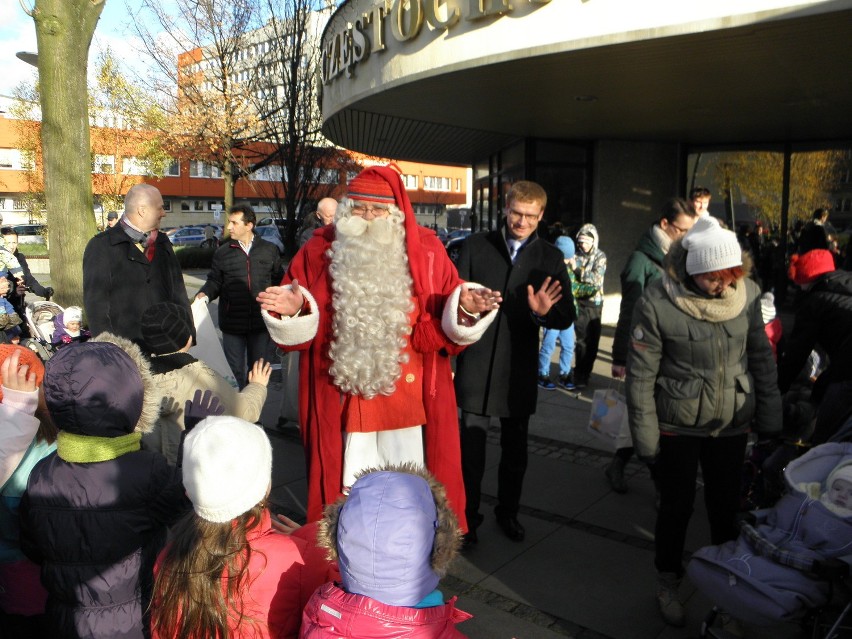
point(228, 179)
point(64, 30)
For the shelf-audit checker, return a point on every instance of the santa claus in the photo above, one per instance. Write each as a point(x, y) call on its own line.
point(376, 309)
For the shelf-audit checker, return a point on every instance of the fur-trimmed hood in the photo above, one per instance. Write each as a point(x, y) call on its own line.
point(675, 263)
point(101, 388)
point(394, 536)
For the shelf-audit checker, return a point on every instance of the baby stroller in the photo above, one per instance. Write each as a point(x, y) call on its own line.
point(40, 317)
point(790, 562)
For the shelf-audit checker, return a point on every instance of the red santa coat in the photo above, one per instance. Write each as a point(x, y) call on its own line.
point(320, 402)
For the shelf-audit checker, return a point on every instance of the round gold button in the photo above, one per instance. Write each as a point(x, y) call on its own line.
point(409, 378)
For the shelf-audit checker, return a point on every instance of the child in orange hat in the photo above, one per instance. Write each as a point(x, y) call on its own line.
point(24, 441)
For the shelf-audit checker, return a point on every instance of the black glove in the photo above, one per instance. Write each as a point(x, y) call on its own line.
point(199, 407)
point(48, 293)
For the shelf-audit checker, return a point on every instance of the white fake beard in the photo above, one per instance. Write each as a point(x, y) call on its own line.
point(371, 286)
point(380, 230)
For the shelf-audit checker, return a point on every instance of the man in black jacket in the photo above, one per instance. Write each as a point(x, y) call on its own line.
point(130, 267)
point(242, 268)
point(497, 376)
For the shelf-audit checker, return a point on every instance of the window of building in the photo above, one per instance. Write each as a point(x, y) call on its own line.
point(410, 182)
point(458, 184)
point(173, 169)
point(184, 206)
point(11, 159)
point(133, 166)
point(198, 205)
point(271, 173)
point(18, 205)
point(167, 205)
point(197, 168)
point(103, 164)
point(325, 176)
point(434, 183)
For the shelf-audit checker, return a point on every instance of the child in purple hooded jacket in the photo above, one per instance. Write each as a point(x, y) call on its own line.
point(396, 518)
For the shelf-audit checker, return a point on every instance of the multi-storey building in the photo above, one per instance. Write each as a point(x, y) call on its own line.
point(193, 189)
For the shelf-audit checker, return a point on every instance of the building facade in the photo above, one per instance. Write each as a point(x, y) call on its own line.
point(193, 189)
point(601, 101)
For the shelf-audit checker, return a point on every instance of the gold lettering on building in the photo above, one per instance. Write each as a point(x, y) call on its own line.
point(406, 19)
point(431, 9)
point(344, 49)
point(478, 9)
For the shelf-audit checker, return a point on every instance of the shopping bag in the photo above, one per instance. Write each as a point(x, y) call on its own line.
point(208, 348)
point(290, 387)
point(608, 419)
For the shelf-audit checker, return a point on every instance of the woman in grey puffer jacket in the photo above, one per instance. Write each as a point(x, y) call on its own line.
point(700, 376)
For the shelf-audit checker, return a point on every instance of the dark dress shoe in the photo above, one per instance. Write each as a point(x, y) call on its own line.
point(511, 527)
point(469, 540)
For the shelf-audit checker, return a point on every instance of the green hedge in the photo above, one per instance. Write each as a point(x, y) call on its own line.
point(33, 249)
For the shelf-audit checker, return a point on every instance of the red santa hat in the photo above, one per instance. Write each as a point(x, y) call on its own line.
point(369, 187)
point(383, 185)
point(806, 268)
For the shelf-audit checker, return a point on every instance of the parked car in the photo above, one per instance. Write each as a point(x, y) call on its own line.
point(270, 234)
point(30, 233)
point(454, 235)
point(191, 236)
point(279, 222)
point(454, 245)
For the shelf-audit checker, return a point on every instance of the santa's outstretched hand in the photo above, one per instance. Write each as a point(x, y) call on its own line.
point(479, 300)
point(284, 300)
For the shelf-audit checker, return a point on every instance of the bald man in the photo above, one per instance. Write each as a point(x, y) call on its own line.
point(323, 216)
point(130, 267)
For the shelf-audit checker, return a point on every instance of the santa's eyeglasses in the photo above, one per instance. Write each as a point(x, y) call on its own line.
point(369, 209)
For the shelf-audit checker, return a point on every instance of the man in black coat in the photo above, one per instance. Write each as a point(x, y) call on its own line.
point(497, 376)
point(242, 268)
point(130, 267)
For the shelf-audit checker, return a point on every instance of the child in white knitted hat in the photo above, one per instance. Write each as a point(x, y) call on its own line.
point(69, 327)
point(227, 571)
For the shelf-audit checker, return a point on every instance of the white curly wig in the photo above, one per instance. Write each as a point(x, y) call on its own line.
point(372, 299)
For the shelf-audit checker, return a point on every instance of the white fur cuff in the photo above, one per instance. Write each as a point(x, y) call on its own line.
point(464, 335)
point(292, 331)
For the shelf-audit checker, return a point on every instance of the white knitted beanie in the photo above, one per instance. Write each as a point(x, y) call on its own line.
point(767, 307)
point(710, 248)
point(227, 467)
point(72, 314)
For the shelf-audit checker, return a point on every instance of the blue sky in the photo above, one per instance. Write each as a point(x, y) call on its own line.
point(17, 33)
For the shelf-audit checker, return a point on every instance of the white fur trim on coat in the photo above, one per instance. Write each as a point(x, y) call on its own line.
point(464, 335)
point(292, 331)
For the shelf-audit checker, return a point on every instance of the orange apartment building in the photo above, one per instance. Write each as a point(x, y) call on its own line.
point(193, 190)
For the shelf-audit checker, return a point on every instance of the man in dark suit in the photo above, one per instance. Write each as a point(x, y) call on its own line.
point(130, 267)
point(497, 376)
